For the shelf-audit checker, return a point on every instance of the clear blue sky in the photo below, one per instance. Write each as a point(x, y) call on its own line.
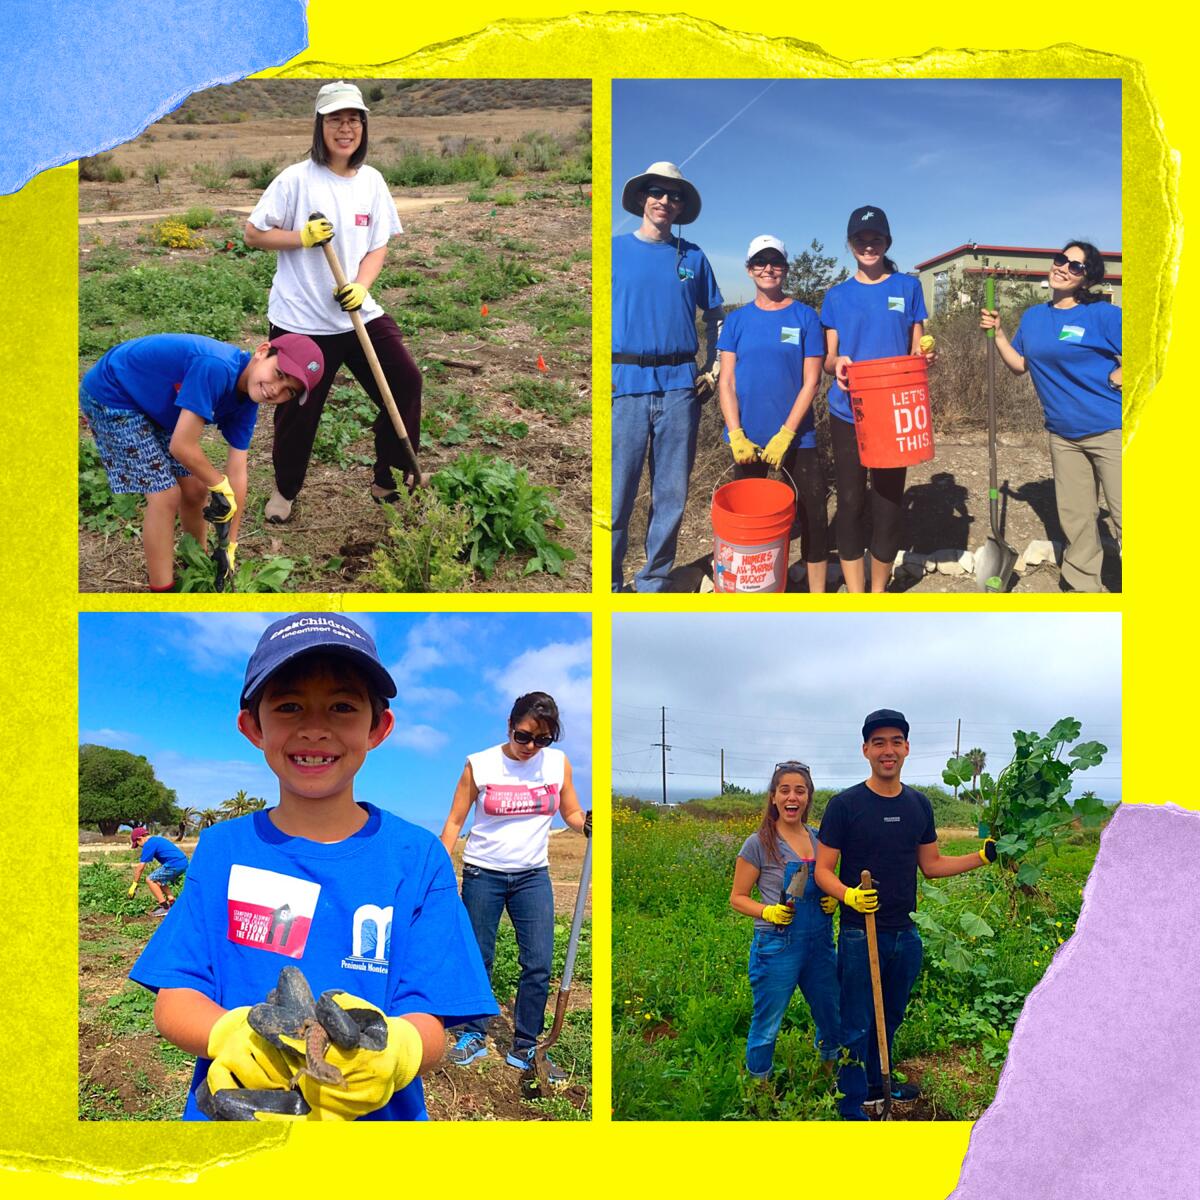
point(1000, 162)
point(167, 687)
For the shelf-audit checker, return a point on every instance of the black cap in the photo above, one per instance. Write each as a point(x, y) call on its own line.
point(870, 216)
point(884, 718)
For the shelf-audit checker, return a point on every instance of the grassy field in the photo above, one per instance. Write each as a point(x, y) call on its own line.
point(127, 1072)
point(681, 996)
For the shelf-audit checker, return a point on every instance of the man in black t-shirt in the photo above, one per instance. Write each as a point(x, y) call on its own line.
point(885, 827)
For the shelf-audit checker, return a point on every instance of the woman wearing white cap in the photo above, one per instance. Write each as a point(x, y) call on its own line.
point(771, 357)
point(360, 216)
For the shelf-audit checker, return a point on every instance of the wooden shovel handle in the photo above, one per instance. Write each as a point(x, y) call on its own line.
point(876, 986)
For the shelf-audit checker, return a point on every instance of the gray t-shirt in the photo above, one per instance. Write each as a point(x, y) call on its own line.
point(770, 874)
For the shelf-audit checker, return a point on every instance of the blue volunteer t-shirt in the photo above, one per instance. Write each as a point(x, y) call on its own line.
point(166, 852)
point(1070, 353)
point(376, 915)
point(165, 372)
point(771, 347)
point(873, 320)
point(656, 289)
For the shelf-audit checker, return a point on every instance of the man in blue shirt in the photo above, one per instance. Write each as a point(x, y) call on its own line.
point(658, 283)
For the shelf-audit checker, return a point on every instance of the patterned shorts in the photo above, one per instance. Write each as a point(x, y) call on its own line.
point(136, 453)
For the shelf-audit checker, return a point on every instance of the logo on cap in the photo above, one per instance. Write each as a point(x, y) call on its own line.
point(313, 367)
point(866, 216)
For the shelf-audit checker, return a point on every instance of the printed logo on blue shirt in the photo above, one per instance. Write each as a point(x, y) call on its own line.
point(895, 304)
point(686, 273)
point(370, 940)
point(1071, 333)
point(790, 336)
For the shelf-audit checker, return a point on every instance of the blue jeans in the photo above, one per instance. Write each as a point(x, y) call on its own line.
point(780, 962)
point(900, 955)
point(663, 424)
point(530, 902)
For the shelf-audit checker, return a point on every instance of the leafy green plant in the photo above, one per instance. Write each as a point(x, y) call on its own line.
point(509, 515)
point(198, 217)
point(423, 544)
point(105, 890)
point(347, 419)
point(197, 572)
point(549, 396)
point(1028, 803)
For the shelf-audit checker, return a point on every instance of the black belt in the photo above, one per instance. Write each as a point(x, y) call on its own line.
point(655, 360)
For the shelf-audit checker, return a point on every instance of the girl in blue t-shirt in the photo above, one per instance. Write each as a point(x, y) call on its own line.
point(771, 356)
point(793, 935)
point(876, 313)
point(1071, 347)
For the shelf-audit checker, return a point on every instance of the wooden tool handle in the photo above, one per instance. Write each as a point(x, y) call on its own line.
point(876, 985)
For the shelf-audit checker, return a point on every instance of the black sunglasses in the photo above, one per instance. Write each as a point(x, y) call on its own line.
point(658, 193)
point(791, 762)
point(1078, 269)
point(523, 738)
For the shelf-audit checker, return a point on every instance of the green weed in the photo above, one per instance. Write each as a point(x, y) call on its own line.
point(104, 890)
point(210, 176)
point(548, 396)
point(196, 571)
point(131, 1010)
point(198, 217)
point(347, 418)
point(423, 544)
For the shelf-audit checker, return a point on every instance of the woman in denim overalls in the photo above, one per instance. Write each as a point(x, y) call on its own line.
point(793, 923)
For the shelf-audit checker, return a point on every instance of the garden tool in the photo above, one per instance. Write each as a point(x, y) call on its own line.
point(885, 1065)
point(216, 511)
point(339, 277)
point(996, 558)
point(537, 1079)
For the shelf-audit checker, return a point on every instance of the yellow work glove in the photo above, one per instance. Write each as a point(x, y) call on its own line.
point(777, 447)
point(987, 852)
point(778, 914)
point(132, 889)
point(351, 296)
point(828, 905)
point(386, 1060)
point(863, 900)
point(744, 450)
point(927, 343)
point(231, 553)
point(316, 233)
point(221, 505)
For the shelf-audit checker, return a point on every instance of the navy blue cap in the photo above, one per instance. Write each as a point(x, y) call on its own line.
point(304, 633)
point(884, 718)
point(871, 217)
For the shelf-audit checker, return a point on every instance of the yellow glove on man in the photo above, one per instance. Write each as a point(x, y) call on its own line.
point(926, 343)
point(863, 900)
point(221, 507)
point(316, 233)
point(777, 447)
point(744, 450)
point(778, 914)
point(828, 905)
point(987, 852)
point(351, 296)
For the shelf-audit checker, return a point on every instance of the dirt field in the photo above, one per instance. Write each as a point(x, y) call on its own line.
point(532, 227)
point(127, 1072)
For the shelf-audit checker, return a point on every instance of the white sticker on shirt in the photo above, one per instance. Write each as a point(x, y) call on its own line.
point(790, 336)
point(895, 304)
point(270, 911)
point(1071, 333)
point(517, 800)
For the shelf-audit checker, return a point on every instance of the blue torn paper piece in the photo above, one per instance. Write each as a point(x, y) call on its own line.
point(79, 77)
point(1097, 1096)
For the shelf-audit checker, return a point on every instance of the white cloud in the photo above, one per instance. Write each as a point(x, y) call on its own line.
point(213, 640)
point(205, 783)
point(438, 641)
point(119, 738)
point(422, 738)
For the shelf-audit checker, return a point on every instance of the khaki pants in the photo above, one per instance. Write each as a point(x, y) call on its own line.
point(1081, 467)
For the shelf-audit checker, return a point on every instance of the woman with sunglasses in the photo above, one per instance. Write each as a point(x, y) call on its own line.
point(876, 313)
point(1071, 346)
point(793, 921)
point(359, 217)
point(771, 356)
point(516, 789)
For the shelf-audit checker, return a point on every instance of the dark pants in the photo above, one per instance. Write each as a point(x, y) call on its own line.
point(296, 424)
point(900, 955)
point(887, 500)
point(804, 466)
point(530, 902)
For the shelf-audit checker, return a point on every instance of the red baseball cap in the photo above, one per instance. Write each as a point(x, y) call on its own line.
point(138, 832)
point(301, 358)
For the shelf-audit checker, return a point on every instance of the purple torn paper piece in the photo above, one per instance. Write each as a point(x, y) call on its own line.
point(1083, 1108)
point(79, 77)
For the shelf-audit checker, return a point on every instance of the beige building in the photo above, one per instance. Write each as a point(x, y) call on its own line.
point(1026, 264)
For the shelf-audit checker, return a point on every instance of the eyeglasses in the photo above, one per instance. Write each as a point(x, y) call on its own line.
point(761, 268)
point(1078, 269)
point(657, 193)
point(334, 120)
point(523, 738)
point(792, 764)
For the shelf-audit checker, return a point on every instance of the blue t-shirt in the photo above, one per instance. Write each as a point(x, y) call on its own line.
point(165, 372)
point(1070, 353)
point(656, 289)
point(165, 851)
point(771, 346)
point(376, 915)
point(873, 320)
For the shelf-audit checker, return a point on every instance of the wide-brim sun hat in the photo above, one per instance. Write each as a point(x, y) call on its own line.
point(669, 174)
point(333, 97)
point(766, 241)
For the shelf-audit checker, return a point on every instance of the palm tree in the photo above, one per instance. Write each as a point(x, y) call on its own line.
point(208, 818)
point(187, 818)
point(978, 759)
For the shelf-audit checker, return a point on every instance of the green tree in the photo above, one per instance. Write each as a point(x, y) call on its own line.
point(116, 787)
point(811, 274)
point(978, 760)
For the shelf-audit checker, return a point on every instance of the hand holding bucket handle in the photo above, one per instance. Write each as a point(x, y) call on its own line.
point(409, 456)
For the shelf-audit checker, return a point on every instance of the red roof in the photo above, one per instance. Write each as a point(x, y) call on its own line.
point(976, 248)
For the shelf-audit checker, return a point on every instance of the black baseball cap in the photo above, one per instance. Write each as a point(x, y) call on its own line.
point(306, 633)
point(870, 216)
point(884, 718)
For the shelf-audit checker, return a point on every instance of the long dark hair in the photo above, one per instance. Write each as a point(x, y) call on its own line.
point(540, 706)
point(1094, 267)
point(768, 832)
point(318, 153)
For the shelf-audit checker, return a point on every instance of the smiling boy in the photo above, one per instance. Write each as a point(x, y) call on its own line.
point(147, 402)
point(360, 900)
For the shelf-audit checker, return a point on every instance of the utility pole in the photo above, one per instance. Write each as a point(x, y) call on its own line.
point(665, 748)
point(722, 770)
point(957, 749)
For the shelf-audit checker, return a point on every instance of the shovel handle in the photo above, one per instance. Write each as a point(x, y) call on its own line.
point(990, 294)
point(876, 985)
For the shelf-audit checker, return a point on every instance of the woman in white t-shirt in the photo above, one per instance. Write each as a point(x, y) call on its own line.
point(516, 788)
point(359, 215)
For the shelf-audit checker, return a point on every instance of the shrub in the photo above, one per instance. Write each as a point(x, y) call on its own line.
point(175, 235)
point(423, 544)
point(198, 218)
point(92, 167)
point(210, 177)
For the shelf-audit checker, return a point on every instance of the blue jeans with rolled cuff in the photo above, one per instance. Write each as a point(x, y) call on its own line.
point(900, 956)
point(529, 899)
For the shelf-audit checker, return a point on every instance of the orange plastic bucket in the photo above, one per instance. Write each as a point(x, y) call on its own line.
point(752, 522)
point(890, 401)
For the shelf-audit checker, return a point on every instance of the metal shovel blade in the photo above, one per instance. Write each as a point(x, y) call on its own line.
point(994, 562)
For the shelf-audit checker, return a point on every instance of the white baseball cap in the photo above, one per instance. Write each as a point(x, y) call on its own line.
point(333, 97)
point(765, 241)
